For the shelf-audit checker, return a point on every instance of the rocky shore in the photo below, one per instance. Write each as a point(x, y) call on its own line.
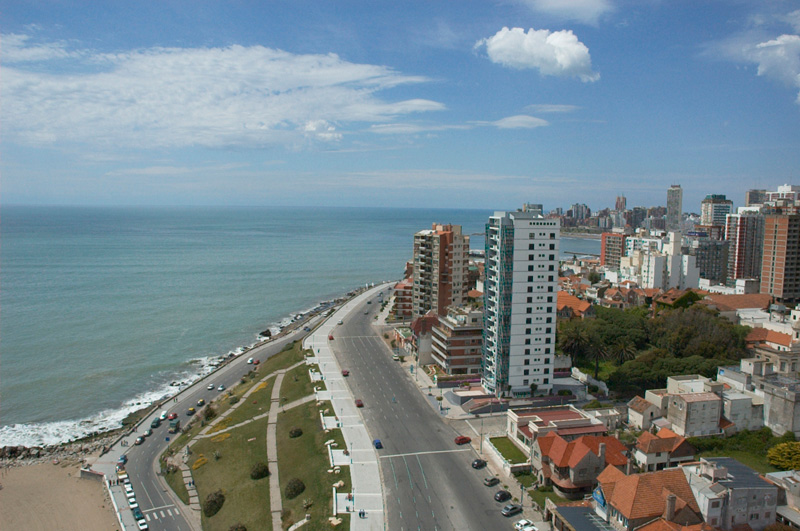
point(74, 452)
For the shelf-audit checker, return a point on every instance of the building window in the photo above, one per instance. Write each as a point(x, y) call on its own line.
point(526, 372)
point(525, 382)
point(526, 362)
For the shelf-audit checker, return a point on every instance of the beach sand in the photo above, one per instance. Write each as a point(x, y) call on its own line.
point(53, 497)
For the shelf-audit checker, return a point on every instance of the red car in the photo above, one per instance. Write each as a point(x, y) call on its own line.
point(463, 439)
point(345, 372)
point(359, 403)
point(172, 416)
point(330, 337)
point(256, 362)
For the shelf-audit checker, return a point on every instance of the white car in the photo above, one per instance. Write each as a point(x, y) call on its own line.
point(163, 415)
point(210, 387)
point(530, 528)
point(221, 388)
point(250, 361)
point(341, 322)
point(524, 524)
point(142, 524)
point(132, 503)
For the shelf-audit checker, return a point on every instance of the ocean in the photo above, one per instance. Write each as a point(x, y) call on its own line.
point(105, 310)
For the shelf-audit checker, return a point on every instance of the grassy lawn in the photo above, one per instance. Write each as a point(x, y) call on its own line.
point(175, 481)
point(757, 462)
point(246, 500)
point(291, 354)
point(305, 458)
point(509, 450)
point(606, 368)
point(256, 404)
point(297, 384)
point(539, 497)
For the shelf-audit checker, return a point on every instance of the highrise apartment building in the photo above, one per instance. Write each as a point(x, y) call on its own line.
point(441, 259)
point(612, 248)
point(620, 204)
point(745, 232)
point(780, 261)
point(714, 208)
point(754, 197)
point(674, 207)
point(522, 250)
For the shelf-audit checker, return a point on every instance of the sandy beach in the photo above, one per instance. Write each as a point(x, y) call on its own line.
point(53, 497)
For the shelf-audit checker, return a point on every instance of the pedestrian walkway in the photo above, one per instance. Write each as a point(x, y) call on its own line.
point(360, 456)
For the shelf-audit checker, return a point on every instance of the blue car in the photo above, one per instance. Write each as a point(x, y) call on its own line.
point(378, 444)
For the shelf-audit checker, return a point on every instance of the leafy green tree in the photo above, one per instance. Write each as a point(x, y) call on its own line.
point(785, 456)
point(573, 339)
point(623, 350)
point(597, 352)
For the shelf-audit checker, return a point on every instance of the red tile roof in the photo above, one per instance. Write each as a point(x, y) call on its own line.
point(665, 441)
point(727, 303)
point(564, 299)
point(639, 404)
point(764, 335)
point(644, 495)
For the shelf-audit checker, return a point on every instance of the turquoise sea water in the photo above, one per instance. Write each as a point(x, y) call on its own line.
point(102, 308)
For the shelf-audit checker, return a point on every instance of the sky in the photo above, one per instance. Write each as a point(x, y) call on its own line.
point(452, 104)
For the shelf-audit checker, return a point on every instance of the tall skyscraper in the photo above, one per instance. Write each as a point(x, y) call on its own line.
point(520, 303)
point(440, 269)
point(754, 197)
point(620, 205)
point(714, 208)
point(674, 207)
point(745, 232)
point(612, 248)
point(780, 264)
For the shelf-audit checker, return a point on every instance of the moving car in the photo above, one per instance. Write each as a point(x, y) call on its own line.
point(345, 372)
point(519, 525)
point(359, 403)
point(210, 387)
point(172, 416)
point(191, 411)
point(221, 387)
point(201, 403)
point(147, 433)
point(330, 337)
point(478, 464)
point(491, 482)
point(511, 509)
point(156, 423)
point(502, 495)
point(378, 444)
point(163, 415)
point(256, 362)
point(341, 322)
point(138, 441)
point(463, 439)
point(250, 360)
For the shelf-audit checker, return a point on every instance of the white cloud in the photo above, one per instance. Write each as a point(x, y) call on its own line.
point(176, 97)
point(585, 11)
point(793, 19)
point(521, 121)
point(557, 53)
point(412, 128)
point(17, 48)
point(544, 108)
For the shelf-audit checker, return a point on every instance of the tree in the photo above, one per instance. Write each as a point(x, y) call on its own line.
point(259, 470)
point(624, 350)
point(573, 339)
point(533, 388)
point(213, 503)
point(785, 456)
point(594, 277)
point(294, 488)
point(596, 353)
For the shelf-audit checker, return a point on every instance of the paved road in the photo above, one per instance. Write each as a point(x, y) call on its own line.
point(155, 501)
point(428, 481)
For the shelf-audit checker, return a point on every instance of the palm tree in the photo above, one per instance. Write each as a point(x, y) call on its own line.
point(597, 352)
point(624, 350)
point(573, 339)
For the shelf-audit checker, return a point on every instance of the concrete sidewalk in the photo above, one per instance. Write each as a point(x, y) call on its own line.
point(367, 492)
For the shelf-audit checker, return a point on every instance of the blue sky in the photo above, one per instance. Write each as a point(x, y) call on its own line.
point(423, 104)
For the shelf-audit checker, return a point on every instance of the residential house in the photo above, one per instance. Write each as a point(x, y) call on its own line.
point(695, 414)
point(571, 307)
point(663, 450)
point(641, 413)
point(524, 426)
point(572, 467)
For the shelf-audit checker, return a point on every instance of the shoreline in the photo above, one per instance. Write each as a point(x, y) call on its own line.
point(81, 445)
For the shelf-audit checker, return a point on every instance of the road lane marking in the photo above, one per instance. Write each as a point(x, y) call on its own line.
point(426, 453)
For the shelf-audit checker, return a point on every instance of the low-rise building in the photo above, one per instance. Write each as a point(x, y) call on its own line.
point(572, 467)
point(695, 414)
point(663, 450)
point(788, 483)
point(457, 340)
point(642, 413)
point(730, 494)
point(524, 426)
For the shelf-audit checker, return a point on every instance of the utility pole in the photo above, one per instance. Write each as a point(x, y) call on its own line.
point(481, 435)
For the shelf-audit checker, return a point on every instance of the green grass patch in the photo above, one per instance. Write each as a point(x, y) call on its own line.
point(747, 447)
point(305, 458)
point(291, 354)
point(606, 368)
point(539, 497)
point(256, 404)
point(509, 450)
point(526, 479)
point(297, 384)
point(174, 479)
point(246, 500)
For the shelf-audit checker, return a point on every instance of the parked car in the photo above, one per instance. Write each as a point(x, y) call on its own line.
point(478, 463)
point(330, 337)
point(491, 482)
point(502, 495)
point(345, 372)
point(132, 503)
point(511, 509)
point(524, 524)
point(123, 459)
point(395, 357)
point(341, 322)
point(463, 439)
point(137, 514)
point(378, 444)
point(359, 403)
point(142, 525)
point(172, 416)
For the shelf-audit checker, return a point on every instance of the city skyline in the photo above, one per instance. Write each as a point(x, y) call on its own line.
point(471, 106)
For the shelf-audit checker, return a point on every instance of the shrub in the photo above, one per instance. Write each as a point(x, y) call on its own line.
point(259, 470)
point(213, 503)
point(209, 412)
point(294, 488)
point(233, 400)
point(295, 433)
point(564, 392)
point(593, 389)
point(785, 456)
